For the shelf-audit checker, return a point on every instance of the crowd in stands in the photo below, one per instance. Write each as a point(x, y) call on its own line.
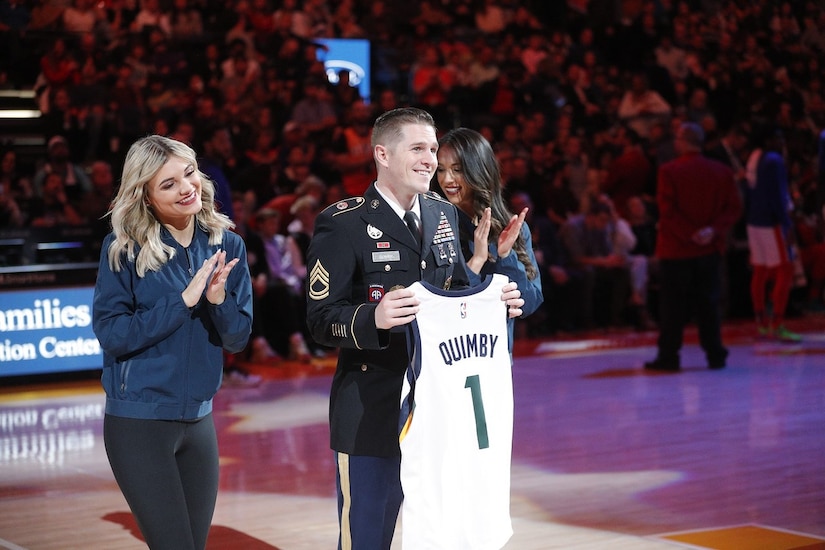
point(580, 101)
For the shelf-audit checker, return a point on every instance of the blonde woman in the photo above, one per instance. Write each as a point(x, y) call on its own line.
point(173, 292)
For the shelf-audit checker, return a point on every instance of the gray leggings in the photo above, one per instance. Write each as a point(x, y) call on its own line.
point(168, 472)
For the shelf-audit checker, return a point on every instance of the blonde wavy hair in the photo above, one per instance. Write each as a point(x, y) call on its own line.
point(137, 232)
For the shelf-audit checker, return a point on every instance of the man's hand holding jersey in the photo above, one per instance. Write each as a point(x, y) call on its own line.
point(398, 307)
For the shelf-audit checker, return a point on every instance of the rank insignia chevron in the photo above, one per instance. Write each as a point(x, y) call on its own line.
point(318, 282)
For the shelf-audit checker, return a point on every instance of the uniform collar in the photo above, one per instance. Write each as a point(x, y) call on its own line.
point(416, 207)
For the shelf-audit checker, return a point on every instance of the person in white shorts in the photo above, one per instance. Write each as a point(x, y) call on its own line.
point(769, 235)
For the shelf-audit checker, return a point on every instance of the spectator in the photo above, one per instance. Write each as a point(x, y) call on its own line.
point(66, 118)
point(52, 208)
point(557, 309)
point(74, 179)
point(296, 168)
point(315, 112)
point(186, 23)
point(729, 149)
point(809, 229)
point(672, 58)
point(46, 16)
point(578, 165)
point(14, 182)
point(344, 93)
point(605, 276)
point(769, 226)
point(491, 19)
point(319, 17)
point(432, 83)
point(304, 211)
point(240, 49)
point(641, 107)
point(698, 205)
point(238, 80)
point(280, 287)
point(11, 214)
point(57, 67)
point(484, 70)
point(95, 204)
point(352, 148)
point(217, 150)
point(583, 96)
point(630, 172)
point(167, 63)
point(14, 21)
point(264, 149)
point(79, 17)
point(151, 16)
point(534, 52)
point(561, 203)
point(291, 16)
point(641, 258)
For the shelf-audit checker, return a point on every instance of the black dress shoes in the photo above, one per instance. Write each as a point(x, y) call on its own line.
point(663, 366)
point(718, 362)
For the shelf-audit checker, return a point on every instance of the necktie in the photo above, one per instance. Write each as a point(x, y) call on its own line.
point(414, 224)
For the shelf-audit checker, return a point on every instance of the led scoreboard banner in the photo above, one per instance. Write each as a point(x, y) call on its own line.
point(47, 278)
point(47, 330)
point(347, 54)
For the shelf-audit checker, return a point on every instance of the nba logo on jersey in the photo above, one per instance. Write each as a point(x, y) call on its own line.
point(462, 310)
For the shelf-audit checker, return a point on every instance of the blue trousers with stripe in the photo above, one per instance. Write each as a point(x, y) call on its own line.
point(369, 498)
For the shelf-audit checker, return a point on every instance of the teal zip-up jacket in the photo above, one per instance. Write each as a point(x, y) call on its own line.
point(161, 359)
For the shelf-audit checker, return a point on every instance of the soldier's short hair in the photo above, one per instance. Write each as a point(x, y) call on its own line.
point(387, 127)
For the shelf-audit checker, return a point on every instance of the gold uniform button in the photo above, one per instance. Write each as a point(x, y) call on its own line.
point(423, 264)
point(387, 267)
point(363, 368)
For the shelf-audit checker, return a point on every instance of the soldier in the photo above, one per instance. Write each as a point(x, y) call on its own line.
point(361, 259)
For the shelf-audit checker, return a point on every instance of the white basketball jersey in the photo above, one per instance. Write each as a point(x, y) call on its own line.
point(457, 421)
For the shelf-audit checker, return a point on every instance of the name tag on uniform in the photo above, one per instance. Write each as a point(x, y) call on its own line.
point(388, 256)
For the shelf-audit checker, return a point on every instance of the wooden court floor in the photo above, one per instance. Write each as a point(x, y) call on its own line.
point(605, 455)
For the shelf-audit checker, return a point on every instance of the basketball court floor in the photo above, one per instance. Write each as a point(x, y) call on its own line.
point(605, 454)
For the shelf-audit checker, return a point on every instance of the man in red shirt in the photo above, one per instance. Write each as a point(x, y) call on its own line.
point(698, 205)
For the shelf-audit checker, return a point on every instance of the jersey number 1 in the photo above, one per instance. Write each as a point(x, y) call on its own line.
point(473, 383)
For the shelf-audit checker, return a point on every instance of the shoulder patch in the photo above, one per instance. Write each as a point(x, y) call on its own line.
point(435, 196)
point(346, 205)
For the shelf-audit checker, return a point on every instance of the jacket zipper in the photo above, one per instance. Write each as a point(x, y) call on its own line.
point(124, 375)
point(186, 365)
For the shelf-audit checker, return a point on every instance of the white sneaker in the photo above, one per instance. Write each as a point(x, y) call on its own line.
point(242, 379)
point(298, 348)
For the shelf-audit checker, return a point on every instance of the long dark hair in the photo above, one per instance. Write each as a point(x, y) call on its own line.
point(482, 174)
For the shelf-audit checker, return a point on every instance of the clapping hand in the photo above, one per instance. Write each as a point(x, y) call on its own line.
point(480, 236)
point(212, 277)
point(509, 234)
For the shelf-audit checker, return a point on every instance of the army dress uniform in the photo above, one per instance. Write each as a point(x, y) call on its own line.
point(362, 249)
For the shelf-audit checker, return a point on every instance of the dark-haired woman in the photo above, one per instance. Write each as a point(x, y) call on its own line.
point(492, 238)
